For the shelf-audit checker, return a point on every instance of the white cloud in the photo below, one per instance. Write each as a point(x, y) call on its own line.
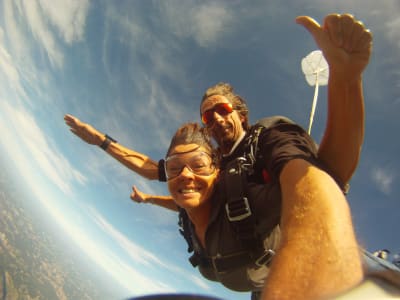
point(42, 17)
point(69, 16)
point(209, 22)
point(199, 281)
point(149, 79)
point(393, 32)
point(30, 144)
point(204, 22)
point(18, 42)
point(383, 15)
point(8, 72)
point(140, 255)
point(149, 91)
point(42, 33)
point(136, 252)
point(17, 65)
point(5, 61)
point(383, 179)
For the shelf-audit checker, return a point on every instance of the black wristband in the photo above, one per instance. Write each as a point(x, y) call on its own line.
point(104, 145)
point(161, 171)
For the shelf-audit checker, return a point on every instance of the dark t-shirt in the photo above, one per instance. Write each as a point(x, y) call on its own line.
point(278, 145)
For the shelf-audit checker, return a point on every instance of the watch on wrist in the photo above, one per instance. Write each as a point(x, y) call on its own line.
point(104, 145)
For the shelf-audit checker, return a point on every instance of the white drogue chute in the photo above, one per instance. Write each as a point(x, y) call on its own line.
point(316, 70)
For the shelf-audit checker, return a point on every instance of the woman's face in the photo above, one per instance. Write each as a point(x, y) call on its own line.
point(184, 165)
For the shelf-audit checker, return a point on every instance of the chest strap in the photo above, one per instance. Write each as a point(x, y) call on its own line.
point(237, 207)
point(223, 264)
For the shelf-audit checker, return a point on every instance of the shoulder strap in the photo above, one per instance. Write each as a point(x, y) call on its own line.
point(238, 208)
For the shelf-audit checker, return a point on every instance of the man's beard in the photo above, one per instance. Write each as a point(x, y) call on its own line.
point(224, 136)
point(226, 142)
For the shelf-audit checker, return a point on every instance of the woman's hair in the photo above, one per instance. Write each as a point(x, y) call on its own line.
point(239, 104)
point(193, 133)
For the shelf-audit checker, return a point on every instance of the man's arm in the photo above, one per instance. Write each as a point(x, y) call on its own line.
point(319, 255)
point(346, 45)
point(162, 201)
point(137, 162)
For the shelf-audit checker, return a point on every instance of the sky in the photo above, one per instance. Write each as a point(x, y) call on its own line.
point(136, 70)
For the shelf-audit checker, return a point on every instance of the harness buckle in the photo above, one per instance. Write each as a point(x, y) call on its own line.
point(243, 164)
point(266, 258)
point(238, 209)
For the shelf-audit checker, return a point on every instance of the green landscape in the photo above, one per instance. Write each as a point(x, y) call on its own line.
point(34, 262)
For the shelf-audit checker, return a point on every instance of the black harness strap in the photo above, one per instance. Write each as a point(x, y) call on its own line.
point(225, 263)
point(238, 208)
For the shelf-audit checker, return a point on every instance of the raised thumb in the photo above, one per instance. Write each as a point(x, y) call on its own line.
point(312, 27)
point(310, 24)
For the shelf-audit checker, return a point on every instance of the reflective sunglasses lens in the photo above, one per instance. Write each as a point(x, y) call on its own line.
point(207, 116)
point(222, 109)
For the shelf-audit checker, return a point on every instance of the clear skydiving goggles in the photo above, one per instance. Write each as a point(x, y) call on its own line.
point(197, 162)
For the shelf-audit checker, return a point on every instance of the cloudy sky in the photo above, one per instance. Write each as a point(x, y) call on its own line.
point(136, 70)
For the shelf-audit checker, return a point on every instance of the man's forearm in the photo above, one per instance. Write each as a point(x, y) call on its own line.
point(341, 144)
point(346, 44)
point(318, 256)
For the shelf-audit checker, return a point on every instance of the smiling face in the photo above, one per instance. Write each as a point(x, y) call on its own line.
point(225, 129)
point(190, 191)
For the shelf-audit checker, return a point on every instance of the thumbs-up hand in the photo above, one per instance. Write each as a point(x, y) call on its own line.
point(344, 41)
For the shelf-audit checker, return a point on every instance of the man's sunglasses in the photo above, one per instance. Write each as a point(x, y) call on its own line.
point(222, 109)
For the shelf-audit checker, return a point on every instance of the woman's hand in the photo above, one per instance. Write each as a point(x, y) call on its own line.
point(138, 196)
point(86, 132)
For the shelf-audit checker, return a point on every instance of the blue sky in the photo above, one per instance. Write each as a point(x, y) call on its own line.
point(137, 70)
